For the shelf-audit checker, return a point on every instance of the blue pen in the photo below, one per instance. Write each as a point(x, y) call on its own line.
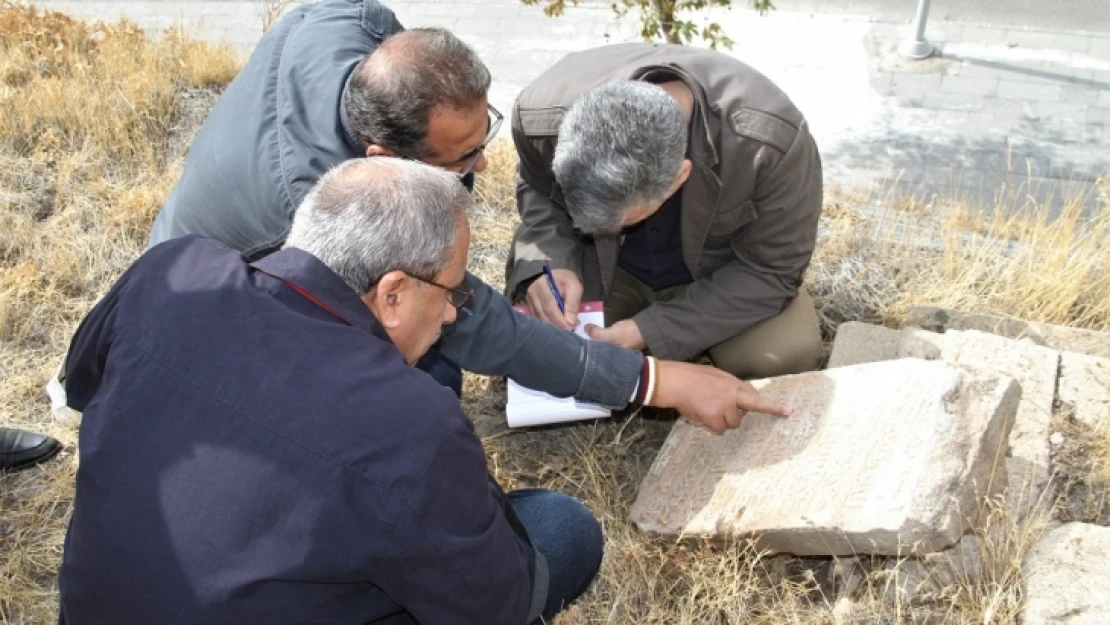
point(554, 289)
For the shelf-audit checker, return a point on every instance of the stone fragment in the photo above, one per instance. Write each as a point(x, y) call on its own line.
point(857, 343)
point(1034, 367)
point(1067, 577)
point(1085, 384)
point(887, 458)
point(918, 343)
point(1057, 337)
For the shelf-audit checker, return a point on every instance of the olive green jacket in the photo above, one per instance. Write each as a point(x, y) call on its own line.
point(749, 209)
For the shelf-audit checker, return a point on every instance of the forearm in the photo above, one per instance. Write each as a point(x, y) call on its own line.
point(492, 339)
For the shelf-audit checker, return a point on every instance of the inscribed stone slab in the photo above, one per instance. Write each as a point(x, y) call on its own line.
point(883, 458)
point(1068, 575)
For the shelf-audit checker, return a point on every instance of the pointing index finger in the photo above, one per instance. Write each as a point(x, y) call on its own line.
point(755, 402)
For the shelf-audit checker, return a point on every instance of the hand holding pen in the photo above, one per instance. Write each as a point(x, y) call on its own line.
point(555, 297)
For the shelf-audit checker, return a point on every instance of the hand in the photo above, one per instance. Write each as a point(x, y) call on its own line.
point(544, 306)
point(710, 396)
point(624, 334)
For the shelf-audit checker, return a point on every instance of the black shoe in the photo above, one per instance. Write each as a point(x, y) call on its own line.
point(20, 449)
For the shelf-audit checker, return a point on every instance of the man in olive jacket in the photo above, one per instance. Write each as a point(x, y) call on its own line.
point(683, 188)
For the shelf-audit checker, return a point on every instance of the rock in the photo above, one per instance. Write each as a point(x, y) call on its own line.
point(911, 578)
point(1061, 338)
point(1056, 439)
point(1085, 384)
point(1035, 368)
point(887, 458)
point(1067, 577)
point(918, 343)
point(857, 343)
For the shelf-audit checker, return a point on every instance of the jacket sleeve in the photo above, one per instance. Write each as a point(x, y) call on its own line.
point(490, 338)
point(459, 557)
point(546, 234)
point(88, 349)
point(769, 256)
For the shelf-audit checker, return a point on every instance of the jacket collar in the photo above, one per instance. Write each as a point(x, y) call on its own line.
point(348, 133)
point(307, 272)
point(702, 149)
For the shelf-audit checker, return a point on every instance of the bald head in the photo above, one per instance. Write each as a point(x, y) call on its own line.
point(369, 216)
point(392, 92)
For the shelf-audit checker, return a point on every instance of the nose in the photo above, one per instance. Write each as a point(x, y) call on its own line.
point(449, 314)
point(480, 164)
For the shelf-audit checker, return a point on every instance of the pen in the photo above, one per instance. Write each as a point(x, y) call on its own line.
point(554, 289)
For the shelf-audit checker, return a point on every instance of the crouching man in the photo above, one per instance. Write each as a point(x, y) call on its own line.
point(681, 186)
point(258, 448)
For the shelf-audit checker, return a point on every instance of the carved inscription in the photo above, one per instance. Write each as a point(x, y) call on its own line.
point(857, 462)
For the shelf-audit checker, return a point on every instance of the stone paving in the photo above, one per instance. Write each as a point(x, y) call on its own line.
point(1002, 111)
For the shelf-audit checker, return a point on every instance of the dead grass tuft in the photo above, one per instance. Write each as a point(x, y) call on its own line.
point(93, 119)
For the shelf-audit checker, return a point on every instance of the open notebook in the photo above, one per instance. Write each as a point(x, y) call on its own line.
point(527, 407)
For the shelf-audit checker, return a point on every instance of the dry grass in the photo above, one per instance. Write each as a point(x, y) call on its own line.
point(90, 116)
point(92, 126)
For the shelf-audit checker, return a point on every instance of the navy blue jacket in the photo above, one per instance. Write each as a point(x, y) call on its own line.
point(247, 457)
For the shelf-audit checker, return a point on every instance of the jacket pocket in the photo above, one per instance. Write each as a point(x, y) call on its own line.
point(727, 223)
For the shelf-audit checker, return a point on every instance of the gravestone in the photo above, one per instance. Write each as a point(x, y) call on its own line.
point(886, 458)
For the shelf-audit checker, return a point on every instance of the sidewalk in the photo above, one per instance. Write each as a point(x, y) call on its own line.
point(1022, 112)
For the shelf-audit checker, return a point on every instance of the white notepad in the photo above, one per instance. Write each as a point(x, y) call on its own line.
point(526, 407)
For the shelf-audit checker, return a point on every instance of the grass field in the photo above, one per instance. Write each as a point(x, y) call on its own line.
point(93, 124)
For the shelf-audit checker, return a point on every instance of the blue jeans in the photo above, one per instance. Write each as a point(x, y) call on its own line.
point(447, 373)
point(568, 536)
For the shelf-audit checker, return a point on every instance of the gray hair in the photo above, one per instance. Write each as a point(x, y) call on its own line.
point(392, 92)
point(369, 216)
point(620, 145)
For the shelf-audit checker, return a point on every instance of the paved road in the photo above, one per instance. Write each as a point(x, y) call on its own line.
point(1017, 104)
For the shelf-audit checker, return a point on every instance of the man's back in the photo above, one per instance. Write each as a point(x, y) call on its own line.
point(246, 456)
point(276, 129)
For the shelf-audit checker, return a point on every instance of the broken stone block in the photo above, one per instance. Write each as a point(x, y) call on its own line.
point(1034, 367)
point(1062, 338)
point(918, 343)
point(1068, 574)
point(1085, 384)
point(857, 343)
point(887, 458)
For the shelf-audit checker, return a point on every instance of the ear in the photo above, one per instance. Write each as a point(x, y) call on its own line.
point(683, 175)
point(386, 298)
point(373, 149)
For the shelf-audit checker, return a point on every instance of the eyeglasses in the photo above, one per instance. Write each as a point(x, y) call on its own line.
point(470, 159)
point(457, 296)
point(494, 122)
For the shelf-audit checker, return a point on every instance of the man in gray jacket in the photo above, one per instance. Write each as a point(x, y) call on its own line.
point(681, 186)
point(338, 80)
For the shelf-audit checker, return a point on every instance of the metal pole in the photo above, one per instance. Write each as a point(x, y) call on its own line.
point(918, 47)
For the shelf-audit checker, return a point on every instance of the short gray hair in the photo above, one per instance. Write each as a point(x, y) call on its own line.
point(369, 216)
point(621, 144)
point(392, 92)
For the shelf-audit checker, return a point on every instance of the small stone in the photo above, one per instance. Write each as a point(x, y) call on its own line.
point(1057, 438)
point(857, 343)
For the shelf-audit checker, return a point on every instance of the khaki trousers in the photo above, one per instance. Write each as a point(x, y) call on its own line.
point(789, 342)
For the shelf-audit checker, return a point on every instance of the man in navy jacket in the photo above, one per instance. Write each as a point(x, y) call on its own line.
point(258, 448)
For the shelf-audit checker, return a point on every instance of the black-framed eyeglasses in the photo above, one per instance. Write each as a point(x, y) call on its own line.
point(458, 297)
point(494, 122)
point(470, 159)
